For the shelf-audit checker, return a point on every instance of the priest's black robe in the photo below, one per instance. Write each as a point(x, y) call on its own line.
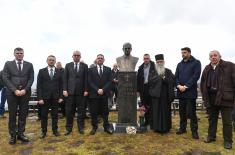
point(162, 93)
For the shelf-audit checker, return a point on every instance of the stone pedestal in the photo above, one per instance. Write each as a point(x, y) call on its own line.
point(127, 101)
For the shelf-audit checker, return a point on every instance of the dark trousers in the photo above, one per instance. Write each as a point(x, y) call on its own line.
point(39, 111)
point(73, 102)
point(233, 116)
point(187, 107)
point(146, 101)
point(53, 105)
point(99, 106)
point(20, 105)
point(3, 101)
point(62, 108)
point(226, 113)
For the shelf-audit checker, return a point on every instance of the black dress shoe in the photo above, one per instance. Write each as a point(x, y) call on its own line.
point(93, 131)
point(209, 140)
point(22, 138)
point(109, 130)
point(227, 145)
point(56, 133)
point(195, 135)
point(67, 133)
point(12, 140)
point(43, 135)
point(179, 132)
point(81, 131)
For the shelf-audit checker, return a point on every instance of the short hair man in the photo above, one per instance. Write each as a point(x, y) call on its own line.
point(99, 80)
point(18, 76)
point(187, 74)
point(49, 93)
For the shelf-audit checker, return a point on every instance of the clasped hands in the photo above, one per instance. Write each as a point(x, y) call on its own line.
point(20, 92)
point(65, 93)
point(100, 91)
point(182, 88)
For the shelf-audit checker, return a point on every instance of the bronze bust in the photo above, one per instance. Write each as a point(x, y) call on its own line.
point(127, 62)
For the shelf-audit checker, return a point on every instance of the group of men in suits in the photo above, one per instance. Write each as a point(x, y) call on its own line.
point(78, 83)
point(75, 85)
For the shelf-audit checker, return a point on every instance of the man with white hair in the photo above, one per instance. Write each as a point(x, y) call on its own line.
point(161, 89)
point(218, 94)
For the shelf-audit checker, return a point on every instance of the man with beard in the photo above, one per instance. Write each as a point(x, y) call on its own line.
point(187, 74)
point(161, 89)
point(218, 90)
point(143, 87)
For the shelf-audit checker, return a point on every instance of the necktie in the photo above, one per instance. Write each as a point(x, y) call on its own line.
point(76, 66)
point(19, 66)
point(100, 72)
point(51, 73)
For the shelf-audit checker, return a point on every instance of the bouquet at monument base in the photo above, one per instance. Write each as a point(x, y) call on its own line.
point(142, 128)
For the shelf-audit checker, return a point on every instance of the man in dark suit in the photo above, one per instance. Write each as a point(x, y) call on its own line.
point(99, 80)
point(49, 93)
point(75, 91)
point(115, 71)
point(18, 76)
point(62, 104)
point(143, 73)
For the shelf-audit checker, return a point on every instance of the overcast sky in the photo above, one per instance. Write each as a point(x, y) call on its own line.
point(58, 27)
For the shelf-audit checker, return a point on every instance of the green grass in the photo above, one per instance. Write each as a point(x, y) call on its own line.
point(102, 143)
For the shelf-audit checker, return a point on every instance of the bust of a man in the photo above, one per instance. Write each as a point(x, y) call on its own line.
point(127, 63)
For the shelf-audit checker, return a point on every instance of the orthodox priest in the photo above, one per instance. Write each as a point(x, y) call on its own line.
point(161, 89)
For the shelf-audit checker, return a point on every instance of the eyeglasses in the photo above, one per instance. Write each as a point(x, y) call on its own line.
point(100, 58)
point(76, 55)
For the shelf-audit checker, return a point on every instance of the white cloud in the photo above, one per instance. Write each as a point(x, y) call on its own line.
point(58, 27)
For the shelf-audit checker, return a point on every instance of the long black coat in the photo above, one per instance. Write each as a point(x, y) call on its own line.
point(226, 84)
point(140, 77)
point(114, 76)
point(155, 83)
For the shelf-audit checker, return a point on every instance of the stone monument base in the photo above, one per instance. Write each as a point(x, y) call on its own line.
point(121, 127)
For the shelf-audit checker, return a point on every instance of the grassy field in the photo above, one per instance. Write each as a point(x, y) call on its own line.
point(102, 143)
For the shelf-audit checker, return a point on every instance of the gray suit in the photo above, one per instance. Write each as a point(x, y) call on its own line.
point(15, 80)
point(75, 83)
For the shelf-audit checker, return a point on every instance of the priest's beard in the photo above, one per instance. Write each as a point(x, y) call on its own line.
point(160, 68)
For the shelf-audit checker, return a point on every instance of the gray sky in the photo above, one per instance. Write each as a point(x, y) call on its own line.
point(58, 27)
